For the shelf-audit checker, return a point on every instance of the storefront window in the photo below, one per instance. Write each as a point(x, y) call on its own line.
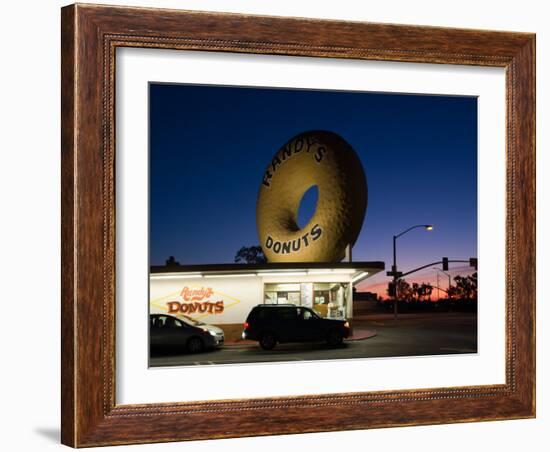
point(327, 299)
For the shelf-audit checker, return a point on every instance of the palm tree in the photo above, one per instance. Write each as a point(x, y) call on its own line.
point(426, 290)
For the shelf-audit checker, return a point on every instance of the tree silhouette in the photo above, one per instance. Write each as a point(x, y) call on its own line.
point(416, 291)
point(250, 255)
point(412, 292)
point(421, 291)
point(171, 262)
point(465, 287)
point(404, 290)
point(426, 290)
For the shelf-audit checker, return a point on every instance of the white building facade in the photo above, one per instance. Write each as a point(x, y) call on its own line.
point(224, 295)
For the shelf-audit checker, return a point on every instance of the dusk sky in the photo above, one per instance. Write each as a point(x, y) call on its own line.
point(209, 148)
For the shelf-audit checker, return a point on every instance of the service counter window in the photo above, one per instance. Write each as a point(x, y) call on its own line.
point(330, 299)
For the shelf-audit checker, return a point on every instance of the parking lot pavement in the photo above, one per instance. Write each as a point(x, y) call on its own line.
point(439, 334)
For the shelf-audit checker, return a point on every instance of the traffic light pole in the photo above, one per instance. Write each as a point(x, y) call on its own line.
point(470, 262)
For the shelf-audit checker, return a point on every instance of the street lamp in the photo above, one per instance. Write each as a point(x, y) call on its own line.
point(427, 227)
point(448, 276)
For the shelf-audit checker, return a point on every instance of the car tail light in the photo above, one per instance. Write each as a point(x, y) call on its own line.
point(246, 325)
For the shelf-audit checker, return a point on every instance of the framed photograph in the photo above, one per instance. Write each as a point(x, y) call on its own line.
point(283, 225)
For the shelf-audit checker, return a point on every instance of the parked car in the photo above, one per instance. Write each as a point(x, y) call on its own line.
point(269, 324)
point(167, 332)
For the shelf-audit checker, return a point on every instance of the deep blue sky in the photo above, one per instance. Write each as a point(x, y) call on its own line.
point(209, 147)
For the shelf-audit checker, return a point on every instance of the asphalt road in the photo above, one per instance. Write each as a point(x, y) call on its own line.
point(438, 334)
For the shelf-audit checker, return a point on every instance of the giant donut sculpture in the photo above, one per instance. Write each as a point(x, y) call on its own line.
point(318, 158)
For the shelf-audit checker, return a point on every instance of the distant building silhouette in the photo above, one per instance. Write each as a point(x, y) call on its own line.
point(364, 296)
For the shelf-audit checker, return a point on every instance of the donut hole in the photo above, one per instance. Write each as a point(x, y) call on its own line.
point(308, 206)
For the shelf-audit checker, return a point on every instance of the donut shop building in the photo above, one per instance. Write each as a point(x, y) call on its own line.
point(224, 294)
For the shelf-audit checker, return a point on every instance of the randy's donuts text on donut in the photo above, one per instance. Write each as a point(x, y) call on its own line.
point(325, 160)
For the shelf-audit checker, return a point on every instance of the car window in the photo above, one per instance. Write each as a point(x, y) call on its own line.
point(165, 322)
point(264, 314)
point(287, 313)
point(171, 322)
point(190, 321)
point(307, 314)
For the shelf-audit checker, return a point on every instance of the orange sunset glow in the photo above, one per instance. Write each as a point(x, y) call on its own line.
point(378, 284)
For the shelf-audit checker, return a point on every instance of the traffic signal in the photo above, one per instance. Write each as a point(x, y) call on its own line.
point(391, 289)
point(473, 262)
point(445, 264)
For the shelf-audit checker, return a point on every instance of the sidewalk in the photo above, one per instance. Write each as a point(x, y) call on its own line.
point(410, 315)
point(360, 334)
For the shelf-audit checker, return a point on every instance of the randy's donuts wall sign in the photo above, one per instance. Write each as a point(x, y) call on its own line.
point(316, 158)
point(195, 300)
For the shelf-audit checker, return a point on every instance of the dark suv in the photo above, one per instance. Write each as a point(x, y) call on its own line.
point(269, 324)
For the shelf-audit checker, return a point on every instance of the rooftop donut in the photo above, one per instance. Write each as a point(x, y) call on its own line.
point(315, 158)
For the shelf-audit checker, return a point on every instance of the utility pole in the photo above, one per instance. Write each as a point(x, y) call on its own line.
point(395, 279)
point(448, 276)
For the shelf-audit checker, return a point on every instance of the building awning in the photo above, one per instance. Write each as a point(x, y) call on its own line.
point(356, 271)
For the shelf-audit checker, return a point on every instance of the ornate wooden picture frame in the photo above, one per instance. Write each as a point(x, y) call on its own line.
point(90, 37)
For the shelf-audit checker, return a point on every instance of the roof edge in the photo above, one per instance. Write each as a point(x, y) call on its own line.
point(375, 265)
